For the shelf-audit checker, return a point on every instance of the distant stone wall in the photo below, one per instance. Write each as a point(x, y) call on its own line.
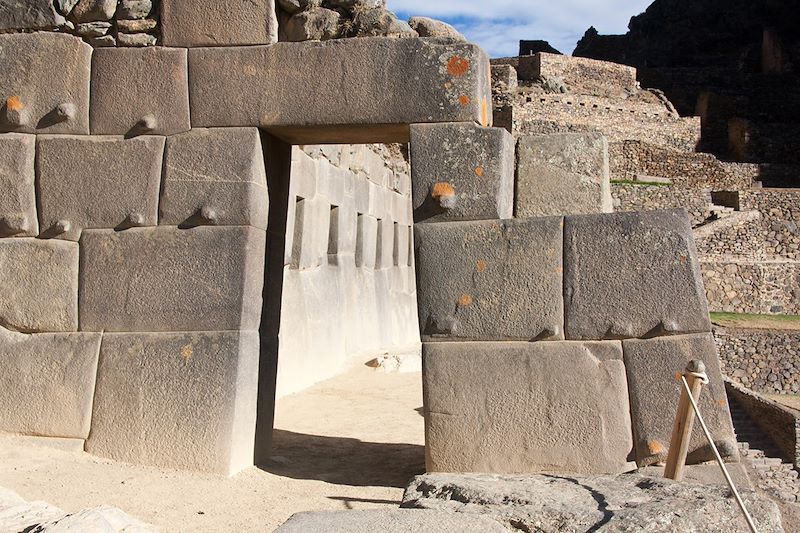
point(581, 75)
point(349, 285)
point(741, 285)
point(630, 158)
point(631, 197)
point(766, 361)
point(618, 120)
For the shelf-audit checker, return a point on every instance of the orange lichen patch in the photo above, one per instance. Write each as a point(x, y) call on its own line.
point(442, 190)
point(677, 376)
point(457, 66)
point(187, 352)
point(655, 447)
point(465, 300)
point(559, 269)
point(481, 266)
point(479, 171)
point(463, 100)
point(14, 103)
point(721, 403)
point(486, 117)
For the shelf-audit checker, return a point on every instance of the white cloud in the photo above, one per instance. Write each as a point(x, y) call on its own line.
point(498, 25)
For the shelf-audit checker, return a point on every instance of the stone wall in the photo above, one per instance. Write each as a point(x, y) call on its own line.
point(143, 238)
point(630, 158)
point(349, 287)
point(741, 285)
point(99, 22)
point(580, 75)
point(781, 423)
point(766, 361)
point(641, 197)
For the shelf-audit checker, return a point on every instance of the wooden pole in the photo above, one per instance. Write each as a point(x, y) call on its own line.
point(684, 420)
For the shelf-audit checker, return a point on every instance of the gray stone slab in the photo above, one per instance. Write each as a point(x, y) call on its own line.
point(167, 279)
point(45, 83)
point(388, 521)
point(461, 172)
point(97, 182)
point(603, 504)
point(216, 177)
point(365, 90)
point(521, 407)
point(140, 91)
point(18, 201)
point(214, 23)
point(39, 285)
point(652, 366)
point(366, 241)
point(47, 383)
point(492, 280)
point(177, 400)
point(562, 174)
point(632, 275)
point(29, 15)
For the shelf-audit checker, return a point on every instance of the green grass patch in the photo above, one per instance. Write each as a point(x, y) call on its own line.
point(750, 320)
point(631, 182)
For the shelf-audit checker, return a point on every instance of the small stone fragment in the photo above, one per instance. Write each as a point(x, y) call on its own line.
point(66, 111)
point(93, 29)
point(372, 22)
point(134, 9)
point(66, 6)
point(136, 39)
point(94, 10)
point(294, 6)
point(136, 26)
point(16, 114)
point(316, 24)
point(105, 40)
point(428, 27)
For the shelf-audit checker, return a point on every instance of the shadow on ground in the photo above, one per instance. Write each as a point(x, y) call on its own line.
point(344, 461)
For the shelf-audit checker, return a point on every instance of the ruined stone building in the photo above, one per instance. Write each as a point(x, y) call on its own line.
point(206, 207)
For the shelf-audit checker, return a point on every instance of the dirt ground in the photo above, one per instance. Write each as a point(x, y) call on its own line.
point(348, 443)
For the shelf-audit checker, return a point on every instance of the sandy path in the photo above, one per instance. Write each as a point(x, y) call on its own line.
point(350, 442)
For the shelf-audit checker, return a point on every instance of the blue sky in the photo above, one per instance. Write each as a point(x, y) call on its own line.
point(498, 25)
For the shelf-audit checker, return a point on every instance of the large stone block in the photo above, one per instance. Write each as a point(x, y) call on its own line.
point(563, 174)
point(140, 91)
point(18, 201)
point(652, 366)
point(39, 285)
point(29, 15)
point(214, 23)
point(167, 279)
point(215, 177)
point(461, 172)
point(177, 400)
point(47, 383)
point(45, 83)
point(492, 280)
point(520, 407)
point(632, 275)
point(97, 182)
point(389, 521)
point(365, 90)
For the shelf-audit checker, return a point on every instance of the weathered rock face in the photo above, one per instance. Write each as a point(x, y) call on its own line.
point(480, 281)
point(428, 27)
point(624, 503)
point(214, 23)
point(462, 171)
point(522, 407)
point(90, 182)
point(632, 275)
point(47, 383)
point(562, 174)
point(651, 366)
point(29, 15)
point(215, 177)
point(18, 202)
point(389, 521)
point(45, 85)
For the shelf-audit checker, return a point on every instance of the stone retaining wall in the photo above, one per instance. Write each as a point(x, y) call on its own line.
point(781, 423)
point(632, 197)
point(735, 284)
point(766, 361)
